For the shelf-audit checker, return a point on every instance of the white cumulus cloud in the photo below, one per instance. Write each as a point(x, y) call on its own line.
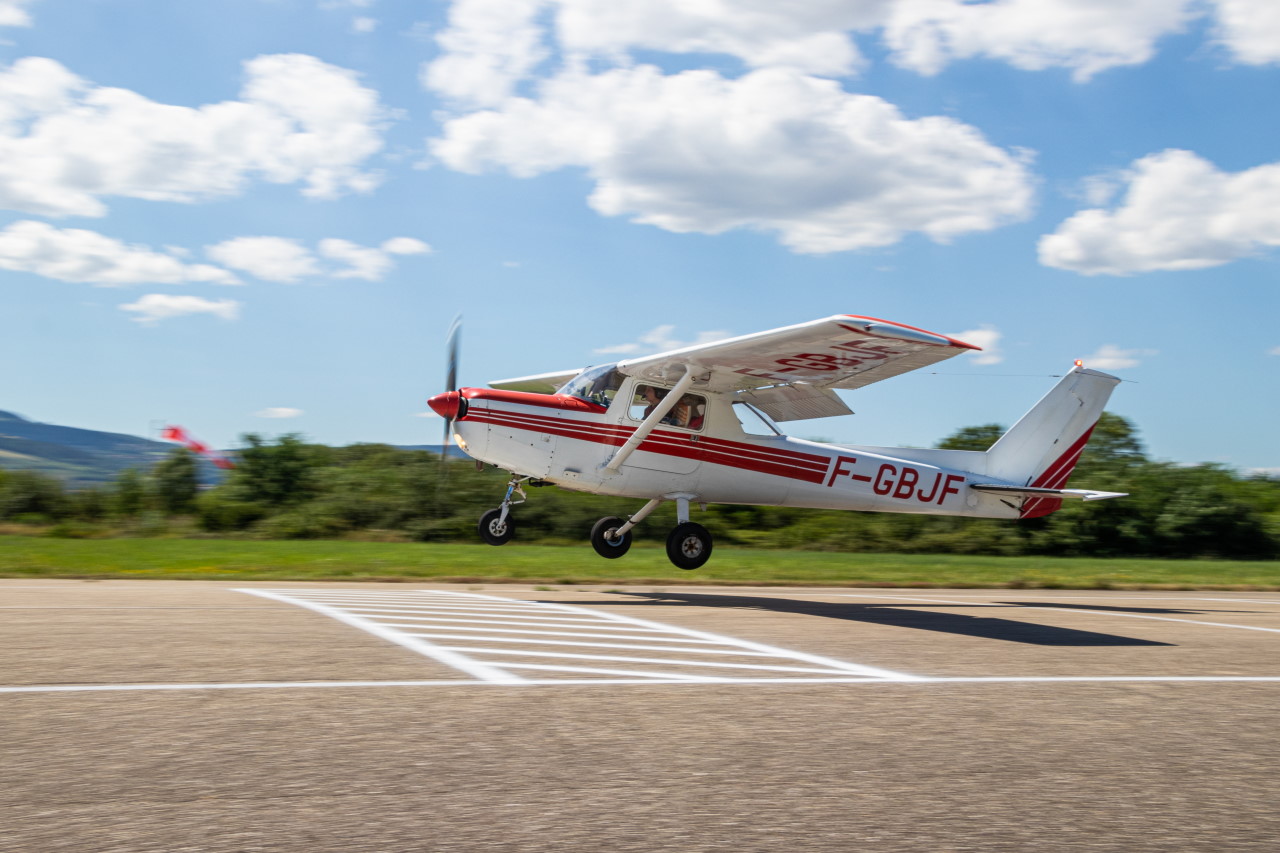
point(774, 151)
point(78, 255)
point(1179, 212)
point(490, 46)
point(813, 36)
point(359, 261)
point(65, 144)
point(1086, 36)
point(155, 307)
point(287, 260)
point(1250, 29)
point(405, 246)
point(539, 85)
point(279, 412)
point(1112, 357)
point(13, 13)
point(268, 258)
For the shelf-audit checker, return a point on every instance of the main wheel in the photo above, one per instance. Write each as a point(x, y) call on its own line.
point(606, 542)
point(689, 545)
point(495, 531)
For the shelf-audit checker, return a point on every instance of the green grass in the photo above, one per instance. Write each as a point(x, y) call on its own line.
point(220, 559)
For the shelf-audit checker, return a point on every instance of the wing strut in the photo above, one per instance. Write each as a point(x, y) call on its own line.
point(655, 417)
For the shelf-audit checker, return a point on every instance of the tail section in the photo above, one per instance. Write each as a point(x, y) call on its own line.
point(1042, 448)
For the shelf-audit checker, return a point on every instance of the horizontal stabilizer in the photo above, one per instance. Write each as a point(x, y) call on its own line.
point(1033, 492)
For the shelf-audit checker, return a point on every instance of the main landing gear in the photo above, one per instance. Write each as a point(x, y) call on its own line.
point(688, 544)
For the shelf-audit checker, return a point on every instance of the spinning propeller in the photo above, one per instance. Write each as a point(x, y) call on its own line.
point(448, 404)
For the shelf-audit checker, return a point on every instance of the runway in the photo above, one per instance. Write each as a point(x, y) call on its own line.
point(165, 716)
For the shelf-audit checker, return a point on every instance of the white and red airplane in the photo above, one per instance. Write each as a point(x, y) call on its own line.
point(698, 426)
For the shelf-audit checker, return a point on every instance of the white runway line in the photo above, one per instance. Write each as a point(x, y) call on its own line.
point(479, 635)
point(1037, 607)
point(632, 680)
point(475, 668)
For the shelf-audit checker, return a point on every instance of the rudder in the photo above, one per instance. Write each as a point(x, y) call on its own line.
point(1042, 448)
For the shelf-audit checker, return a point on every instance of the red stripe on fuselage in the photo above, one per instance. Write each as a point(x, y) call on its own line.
point(810, 467)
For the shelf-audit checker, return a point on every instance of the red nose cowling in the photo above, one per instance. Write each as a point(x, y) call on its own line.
point(445, 405)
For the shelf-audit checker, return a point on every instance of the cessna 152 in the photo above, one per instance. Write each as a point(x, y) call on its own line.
point(697, 426)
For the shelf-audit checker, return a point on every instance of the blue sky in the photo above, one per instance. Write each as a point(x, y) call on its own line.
point(261, 215)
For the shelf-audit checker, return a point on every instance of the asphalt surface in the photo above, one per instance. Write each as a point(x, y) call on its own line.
point(187, 716)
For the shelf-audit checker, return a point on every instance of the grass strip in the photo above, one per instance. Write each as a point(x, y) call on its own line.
point(239, 560)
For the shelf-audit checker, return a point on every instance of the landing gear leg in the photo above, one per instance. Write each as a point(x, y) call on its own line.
point(689, 544)
point(611, 536)
point(496, 526)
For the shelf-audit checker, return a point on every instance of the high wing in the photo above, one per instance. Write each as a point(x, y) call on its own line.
point(542, 383)
point(843, 351)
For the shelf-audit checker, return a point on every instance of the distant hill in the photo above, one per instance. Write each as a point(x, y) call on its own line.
point(88, 457)
point(79, 457)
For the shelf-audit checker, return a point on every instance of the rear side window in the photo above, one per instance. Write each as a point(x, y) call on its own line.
point(753, 421)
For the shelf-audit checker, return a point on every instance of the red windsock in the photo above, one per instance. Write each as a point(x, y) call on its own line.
point(181, 436)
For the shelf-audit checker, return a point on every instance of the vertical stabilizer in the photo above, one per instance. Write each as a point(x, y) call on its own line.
point(1042, 448)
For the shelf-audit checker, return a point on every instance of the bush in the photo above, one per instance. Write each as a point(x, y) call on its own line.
point(220, 513)
point(29, 497)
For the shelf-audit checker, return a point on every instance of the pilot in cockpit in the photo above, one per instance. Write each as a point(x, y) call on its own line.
point(652, 397)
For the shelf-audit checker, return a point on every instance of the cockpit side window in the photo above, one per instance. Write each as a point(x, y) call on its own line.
point(688, 412)
point(597, 384)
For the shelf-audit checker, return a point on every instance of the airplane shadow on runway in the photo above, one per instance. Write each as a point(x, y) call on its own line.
point(1105, 608)
point(921, 617)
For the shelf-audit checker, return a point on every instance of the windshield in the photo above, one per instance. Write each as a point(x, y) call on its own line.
point(597, 384)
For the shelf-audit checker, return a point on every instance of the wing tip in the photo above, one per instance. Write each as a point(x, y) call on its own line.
point(950, 341)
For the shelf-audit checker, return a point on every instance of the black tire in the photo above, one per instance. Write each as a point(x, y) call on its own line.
point(689, 545)
point(605, 543)
point(493, 532)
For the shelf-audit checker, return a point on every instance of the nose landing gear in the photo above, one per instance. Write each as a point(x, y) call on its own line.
point(496, 526)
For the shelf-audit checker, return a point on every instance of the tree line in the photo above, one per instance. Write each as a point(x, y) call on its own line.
point(287, 488)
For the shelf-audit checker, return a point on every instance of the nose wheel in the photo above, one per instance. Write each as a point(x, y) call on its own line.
point(495, 529)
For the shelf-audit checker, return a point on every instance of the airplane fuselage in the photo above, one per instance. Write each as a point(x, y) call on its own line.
point(569, 440)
